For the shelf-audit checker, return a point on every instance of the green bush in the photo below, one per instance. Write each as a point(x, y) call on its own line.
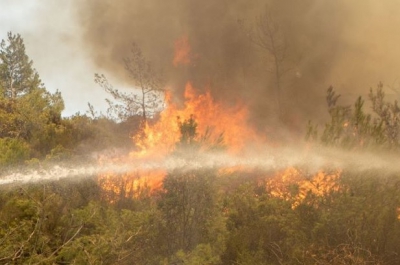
point(13, 151)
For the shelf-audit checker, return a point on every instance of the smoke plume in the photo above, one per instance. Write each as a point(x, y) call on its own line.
point(343, 43)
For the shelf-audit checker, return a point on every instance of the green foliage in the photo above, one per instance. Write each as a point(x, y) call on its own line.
point(13, 151)
point(387, 123)
point(356, 225)
point(195, 219)
point(193, 228)
point(17, 77)
point(261, 229)
point(360, 223)
point(202, 254)
point(83, 134)
point(353, 128)
point(31, 126)
point(40, 116)
point(189, 208)
point(28, 113)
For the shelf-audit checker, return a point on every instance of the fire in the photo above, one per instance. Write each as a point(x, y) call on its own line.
point(293, 185)
point(216, 124)
point(130, 185)
point(214, 121)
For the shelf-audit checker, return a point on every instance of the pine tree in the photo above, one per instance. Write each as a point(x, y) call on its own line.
point(17, 77)
point(29, 114)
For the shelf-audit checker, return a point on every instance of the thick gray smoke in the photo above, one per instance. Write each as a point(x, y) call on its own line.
point(344, 43)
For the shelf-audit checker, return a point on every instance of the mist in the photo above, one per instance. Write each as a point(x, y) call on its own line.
point(265, 160)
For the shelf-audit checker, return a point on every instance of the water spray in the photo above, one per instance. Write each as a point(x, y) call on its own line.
point(269, 160)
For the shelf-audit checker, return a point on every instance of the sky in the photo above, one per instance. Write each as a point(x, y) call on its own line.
point(53, 45)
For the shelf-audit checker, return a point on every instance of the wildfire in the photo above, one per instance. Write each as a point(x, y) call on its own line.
point(216, 124)
point(214, 121)
point(293, 185)
point(130, 185)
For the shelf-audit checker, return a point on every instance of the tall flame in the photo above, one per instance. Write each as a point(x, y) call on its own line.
point(213, 120)
point(156, 141)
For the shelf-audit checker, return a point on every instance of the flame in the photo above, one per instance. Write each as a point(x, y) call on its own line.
point(156, 141)
point(131, 185)
point(214, 121)
point(159, 139)
point(293, 185)
point(182, 52)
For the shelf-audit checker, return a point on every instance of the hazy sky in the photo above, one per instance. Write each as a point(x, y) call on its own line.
point(53, 45)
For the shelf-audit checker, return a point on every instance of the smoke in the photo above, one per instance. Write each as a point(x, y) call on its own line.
point(343, 43)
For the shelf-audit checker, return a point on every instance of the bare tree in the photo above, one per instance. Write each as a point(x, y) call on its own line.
point(148, 98)
point(269, 36)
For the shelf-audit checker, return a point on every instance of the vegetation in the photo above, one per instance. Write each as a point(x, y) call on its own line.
point(353, 128)
point(200, 216)
point(31, 126)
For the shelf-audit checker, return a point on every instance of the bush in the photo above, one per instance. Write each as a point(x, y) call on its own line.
point(13, 151)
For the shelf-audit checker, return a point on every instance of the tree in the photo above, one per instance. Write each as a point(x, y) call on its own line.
point(13, 151)
point(40, 117)
point(28, 112)
point(188, 205)
point(261, 227)
point(17, 77)
point(270, 38)
point(146, 80)
point(353, 127)
point(388, 119)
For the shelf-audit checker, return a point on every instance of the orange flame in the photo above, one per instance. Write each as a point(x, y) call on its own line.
point(213, 121)
point(293, 185)
point(158, 140)
point(130, 185)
